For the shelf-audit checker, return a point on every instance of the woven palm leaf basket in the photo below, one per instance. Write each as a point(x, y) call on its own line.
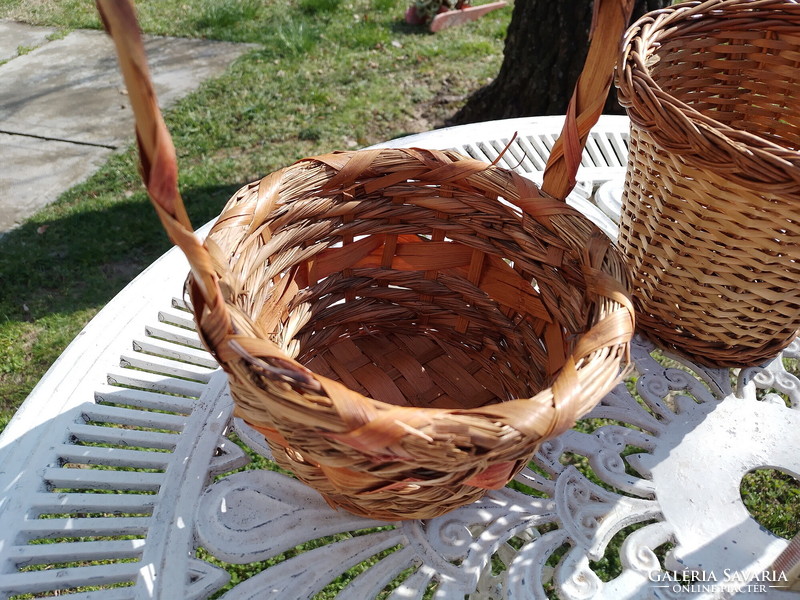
point(402, 338)
point(711, 205)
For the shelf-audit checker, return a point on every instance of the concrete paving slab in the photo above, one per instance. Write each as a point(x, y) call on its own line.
point(35, 172)
point(13, 35)
point(63, 108)
point(71, 89)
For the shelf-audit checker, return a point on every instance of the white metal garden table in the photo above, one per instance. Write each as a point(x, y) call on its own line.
point(119, 478)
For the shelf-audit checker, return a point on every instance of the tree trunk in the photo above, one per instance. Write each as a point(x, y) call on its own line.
point(546, 45)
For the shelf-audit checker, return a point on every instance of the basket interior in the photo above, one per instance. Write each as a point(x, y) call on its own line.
point(413, 341)
point(417, 370)
point(743, 76)
point(414, 294)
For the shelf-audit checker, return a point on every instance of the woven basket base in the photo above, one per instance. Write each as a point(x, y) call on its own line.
point(416, 498)
point(416, 370)
point(439, 299)
point(706, 353)
point(412, 286)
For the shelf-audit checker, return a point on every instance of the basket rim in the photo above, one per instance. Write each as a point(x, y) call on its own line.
point(577, 373)
point(650, 107)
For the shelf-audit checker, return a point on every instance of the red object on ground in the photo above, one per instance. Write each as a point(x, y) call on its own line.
point(451, 18)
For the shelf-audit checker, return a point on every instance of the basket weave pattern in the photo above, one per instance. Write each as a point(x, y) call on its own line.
point(710, 219)
point(405, 327)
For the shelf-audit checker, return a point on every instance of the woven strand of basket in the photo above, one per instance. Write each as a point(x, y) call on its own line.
point(355, 253)
point(710, 220)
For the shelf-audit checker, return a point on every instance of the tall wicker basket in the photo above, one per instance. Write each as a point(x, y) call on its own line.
point(711, 208)
point(403, 338)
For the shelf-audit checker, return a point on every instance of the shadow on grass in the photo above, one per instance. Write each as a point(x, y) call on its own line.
point(84, 258)
point(56, 272)
point(400, 27)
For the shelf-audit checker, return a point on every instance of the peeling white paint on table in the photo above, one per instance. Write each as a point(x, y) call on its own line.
point(121, 460)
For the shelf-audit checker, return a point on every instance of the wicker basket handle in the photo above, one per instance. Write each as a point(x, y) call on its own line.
point(159, 167)
point(609, 21)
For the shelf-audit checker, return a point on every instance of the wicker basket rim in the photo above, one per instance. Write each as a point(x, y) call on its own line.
point(608, 332)
point(732, 144)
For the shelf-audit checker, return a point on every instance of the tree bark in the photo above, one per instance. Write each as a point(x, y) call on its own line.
point(545, 49)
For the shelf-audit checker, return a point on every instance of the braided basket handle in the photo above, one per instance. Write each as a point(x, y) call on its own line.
point(159, 167)
point(609, 21)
